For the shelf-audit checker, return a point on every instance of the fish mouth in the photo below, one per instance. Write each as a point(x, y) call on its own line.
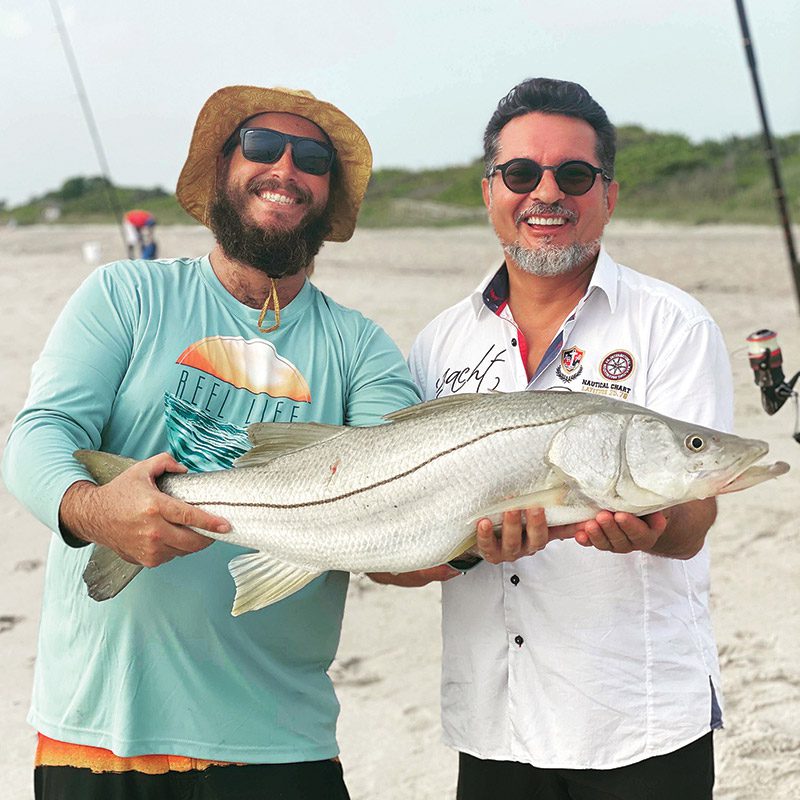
point(721, 479)
point(753, 475)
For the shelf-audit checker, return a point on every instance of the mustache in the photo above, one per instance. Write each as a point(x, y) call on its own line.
point(258, 185)
point(544, 209)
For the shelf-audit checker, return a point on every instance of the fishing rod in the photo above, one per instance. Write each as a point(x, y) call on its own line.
point(769, 149)
point(108, 186)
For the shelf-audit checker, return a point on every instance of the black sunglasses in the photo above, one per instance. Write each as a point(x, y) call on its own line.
point(523, 175)
point(266, 146)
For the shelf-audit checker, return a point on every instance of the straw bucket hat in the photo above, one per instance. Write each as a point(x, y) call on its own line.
point(228, 107)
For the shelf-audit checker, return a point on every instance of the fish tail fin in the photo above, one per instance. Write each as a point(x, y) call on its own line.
point(262, 580)
point(107, 573)
point(103, 467)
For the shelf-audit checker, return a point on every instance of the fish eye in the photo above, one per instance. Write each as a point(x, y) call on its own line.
point(695, 443)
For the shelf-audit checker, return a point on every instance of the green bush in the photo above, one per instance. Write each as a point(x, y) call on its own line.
point(662, 176)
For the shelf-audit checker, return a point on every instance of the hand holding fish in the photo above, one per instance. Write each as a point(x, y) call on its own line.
point(519, 535)
point(677, 532)
point(133, 518)
point(417, 578)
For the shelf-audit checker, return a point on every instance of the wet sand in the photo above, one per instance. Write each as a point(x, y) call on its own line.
point(387, 669)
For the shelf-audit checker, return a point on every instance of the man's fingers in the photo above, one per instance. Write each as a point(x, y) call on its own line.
point(517, 538)
point(161, 463)
point(537, 534)
point(488, 545)
point(180, 513)
point(616, 537)
point(184, 540)
point(161, 542)
point(642, 532)
point(511, 537)
point(564, 531)
point(596, 536)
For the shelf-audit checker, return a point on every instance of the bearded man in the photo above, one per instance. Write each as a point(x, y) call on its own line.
point(160, 692)
point(587, 670)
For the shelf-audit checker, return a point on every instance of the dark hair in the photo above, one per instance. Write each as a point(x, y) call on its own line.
point(551, 96)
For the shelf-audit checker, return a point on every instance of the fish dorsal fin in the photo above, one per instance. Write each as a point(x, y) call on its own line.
point(435, 406)
point(273, 439)
point(262, 580)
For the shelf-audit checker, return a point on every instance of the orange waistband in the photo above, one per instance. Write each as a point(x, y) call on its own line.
point(52, 753)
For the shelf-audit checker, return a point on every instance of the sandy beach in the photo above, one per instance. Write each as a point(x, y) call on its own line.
point(387, 668)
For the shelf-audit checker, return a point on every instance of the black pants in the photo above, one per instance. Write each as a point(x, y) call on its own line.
point(686, 774)
point(313, 780)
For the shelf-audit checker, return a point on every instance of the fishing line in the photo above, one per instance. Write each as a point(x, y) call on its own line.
point(108, 186)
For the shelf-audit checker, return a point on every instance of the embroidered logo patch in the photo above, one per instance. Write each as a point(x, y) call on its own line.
point(617, 366)
point(570, 366)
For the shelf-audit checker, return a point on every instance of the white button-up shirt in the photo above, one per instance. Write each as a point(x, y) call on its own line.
point(575, 657)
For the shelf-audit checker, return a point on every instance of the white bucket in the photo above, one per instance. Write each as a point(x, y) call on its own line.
point(92, 253)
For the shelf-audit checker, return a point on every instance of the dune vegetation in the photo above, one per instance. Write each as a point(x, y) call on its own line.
point(663, 176)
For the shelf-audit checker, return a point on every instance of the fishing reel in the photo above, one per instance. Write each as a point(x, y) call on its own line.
point(766, 361)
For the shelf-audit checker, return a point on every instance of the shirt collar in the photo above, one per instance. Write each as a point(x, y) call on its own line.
point(491, 293)
point(605, 278)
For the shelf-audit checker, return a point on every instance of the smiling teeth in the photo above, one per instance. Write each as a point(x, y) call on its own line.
point(545, 221)
point(277, 198)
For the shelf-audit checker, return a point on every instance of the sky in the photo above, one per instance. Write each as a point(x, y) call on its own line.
point(420, 77)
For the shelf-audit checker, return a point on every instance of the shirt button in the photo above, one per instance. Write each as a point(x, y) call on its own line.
point(514, 579)
point(513, 342)
point(519, 640)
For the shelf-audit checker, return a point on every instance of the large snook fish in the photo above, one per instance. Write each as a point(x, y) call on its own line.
point(406, 495)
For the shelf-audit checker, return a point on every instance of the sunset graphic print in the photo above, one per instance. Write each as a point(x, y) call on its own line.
point(224, 384)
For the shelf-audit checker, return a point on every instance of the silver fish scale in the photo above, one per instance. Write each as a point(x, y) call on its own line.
point(405, 495)
point(392, 497)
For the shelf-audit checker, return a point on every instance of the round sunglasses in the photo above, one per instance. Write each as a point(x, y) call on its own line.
point(266, 146)
point(523, 175)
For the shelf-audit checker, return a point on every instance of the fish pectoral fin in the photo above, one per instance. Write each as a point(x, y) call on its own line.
point(262, 580)
point(554, 496)
point(461, 547)
point(273, 439)
point(107, 574)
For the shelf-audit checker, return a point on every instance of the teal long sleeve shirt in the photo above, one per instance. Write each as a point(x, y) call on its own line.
point(154, 356)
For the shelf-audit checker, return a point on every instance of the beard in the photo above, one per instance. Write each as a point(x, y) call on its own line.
point(551, 259)
point(278, 252)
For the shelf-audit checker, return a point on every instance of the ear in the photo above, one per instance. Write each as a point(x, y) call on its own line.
point(611, 199)
point(486, 189)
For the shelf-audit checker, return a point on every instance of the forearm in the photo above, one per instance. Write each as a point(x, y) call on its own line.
point(75, 514)
point(687, 526)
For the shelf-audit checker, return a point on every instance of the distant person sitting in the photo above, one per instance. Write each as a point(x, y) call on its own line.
point(140, 232)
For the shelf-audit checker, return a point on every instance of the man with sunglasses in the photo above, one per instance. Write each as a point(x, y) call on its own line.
point(159, 692)
point(589, 669)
